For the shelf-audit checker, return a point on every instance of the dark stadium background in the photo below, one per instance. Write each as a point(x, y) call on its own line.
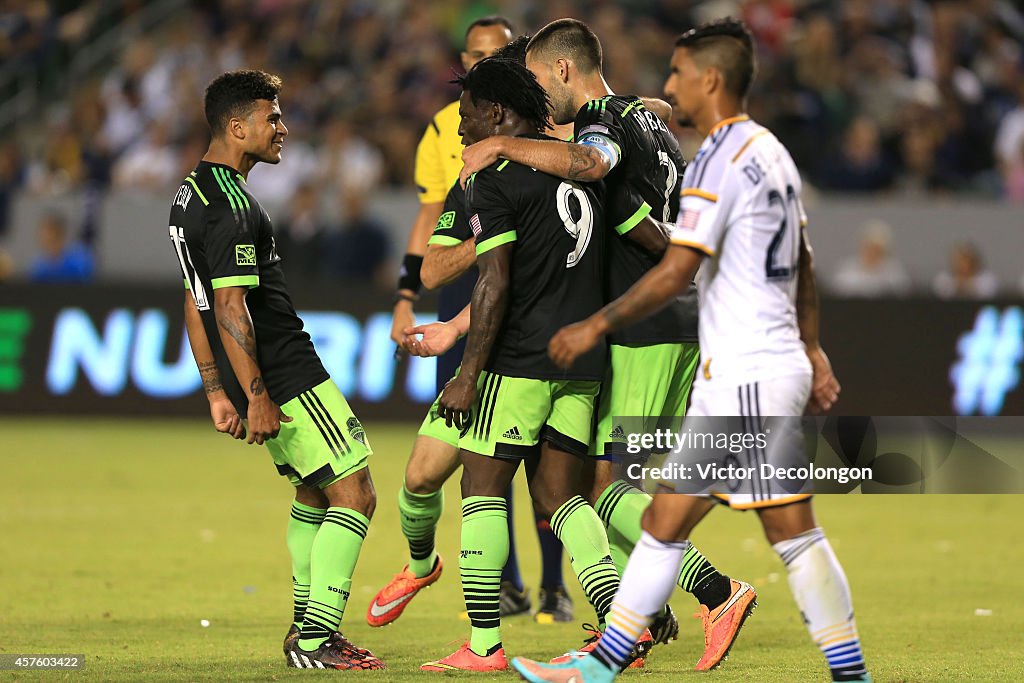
point(90, 88)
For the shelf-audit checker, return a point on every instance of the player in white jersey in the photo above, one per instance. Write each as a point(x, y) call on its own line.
point(759, 345)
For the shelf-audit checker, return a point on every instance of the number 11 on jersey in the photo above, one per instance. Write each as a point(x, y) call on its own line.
point(187, 269)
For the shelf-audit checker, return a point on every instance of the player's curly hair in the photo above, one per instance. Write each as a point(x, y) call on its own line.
point(510, 84)
point(725, 44)
point(235, 94)
point(515, 50)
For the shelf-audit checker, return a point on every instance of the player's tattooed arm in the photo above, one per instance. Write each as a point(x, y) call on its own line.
point(238, 336)
point(225, 417)
point(444, 264)
point(201, 350)
point(585, 163)
point(561, 159)
point(211, 377)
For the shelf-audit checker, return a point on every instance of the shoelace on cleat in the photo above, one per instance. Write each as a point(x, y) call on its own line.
point(595, 634)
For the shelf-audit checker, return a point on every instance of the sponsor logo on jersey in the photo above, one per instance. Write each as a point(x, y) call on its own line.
point(617, 433)
point(446, 221)
point(513, 434)
point(245, 254)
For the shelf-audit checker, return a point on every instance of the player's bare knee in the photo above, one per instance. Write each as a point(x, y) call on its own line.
point(311, 497)
point(355, 492)
point(430, 465)
point(786, 522)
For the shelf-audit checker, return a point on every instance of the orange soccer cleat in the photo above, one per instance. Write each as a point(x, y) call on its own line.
point(465, 659)
point(722, 624)
point(392, 599)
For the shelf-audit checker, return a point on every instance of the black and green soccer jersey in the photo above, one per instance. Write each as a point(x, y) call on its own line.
point(556, 267)
point(453, 225)
point(646, 180)
point(223, 238)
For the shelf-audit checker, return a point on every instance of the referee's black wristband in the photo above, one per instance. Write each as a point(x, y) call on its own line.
point(409, 276)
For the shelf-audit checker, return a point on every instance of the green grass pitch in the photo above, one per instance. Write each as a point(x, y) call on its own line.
point(120, 536)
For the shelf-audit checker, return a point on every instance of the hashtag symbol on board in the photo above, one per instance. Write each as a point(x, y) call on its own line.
point(989, 361)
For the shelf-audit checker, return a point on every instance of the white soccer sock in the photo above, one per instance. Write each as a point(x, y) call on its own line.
point(823, 596)
point(646, 585)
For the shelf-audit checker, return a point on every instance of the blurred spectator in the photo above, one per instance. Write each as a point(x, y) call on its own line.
point(301, 235)
point(1013, 177)
point(359, 252)
point(966, 277)
point(1010, 135)
point(918, 152)
point(58, 259)
point(6, 266)
point(914, 95)
point(860, 165)
point(150, 164)
point(348, 162)
point(873, 272)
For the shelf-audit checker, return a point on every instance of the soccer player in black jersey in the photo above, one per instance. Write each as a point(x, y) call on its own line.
point(652, 364)
point(539, 253)
point(256, 361)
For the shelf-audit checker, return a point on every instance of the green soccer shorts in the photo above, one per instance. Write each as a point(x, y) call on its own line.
point(434, 426)
point(323, 443)
point(643, 381)
point(514, 414)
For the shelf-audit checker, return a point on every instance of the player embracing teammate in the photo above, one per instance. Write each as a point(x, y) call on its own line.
point(760, 350)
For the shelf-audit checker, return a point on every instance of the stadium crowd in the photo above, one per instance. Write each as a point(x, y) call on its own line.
point(905, 97)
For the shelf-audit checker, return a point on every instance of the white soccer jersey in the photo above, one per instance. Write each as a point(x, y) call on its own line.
point(741, 206)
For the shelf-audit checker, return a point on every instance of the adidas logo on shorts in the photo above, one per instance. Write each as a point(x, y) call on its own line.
point(617, 433)
point(513, 434)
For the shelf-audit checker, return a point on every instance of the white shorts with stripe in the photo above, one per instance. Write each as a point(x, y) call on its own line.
point(753, 403)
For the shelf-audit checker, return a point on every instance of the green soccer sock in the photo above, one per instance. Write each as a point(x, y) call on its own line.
point(699, 577)
point(621, 507)
point(581, 532)
point(302, 528)
point(484, 552)
point(332, 561)
point(419, 514)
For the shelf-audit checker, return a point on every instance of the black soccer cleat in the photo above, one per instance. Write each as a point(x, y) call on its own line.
point(665, 627)
point(555, 606)
point(512, 602)
point(337, 652)
point(290, 639)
